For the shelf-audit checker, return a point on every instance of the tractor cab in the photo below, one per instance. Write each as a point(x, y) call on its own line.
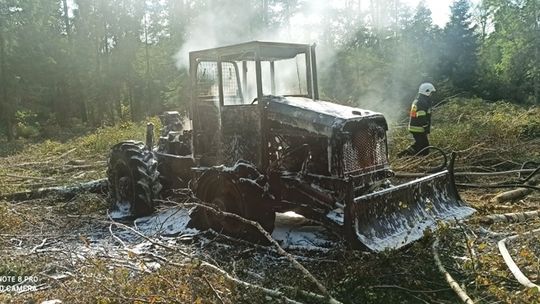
point(228, 84)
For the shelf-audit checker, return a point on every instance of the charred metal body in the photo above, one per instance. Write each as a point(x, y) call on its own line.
point(262, 143)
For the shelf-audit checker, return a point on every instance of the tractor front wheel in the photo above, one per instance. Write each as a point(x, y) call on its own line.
point(133, 179)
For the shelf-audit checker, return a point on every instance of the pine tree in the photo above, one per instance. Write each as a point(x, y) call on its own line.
point(510, 54)
point(460, 45)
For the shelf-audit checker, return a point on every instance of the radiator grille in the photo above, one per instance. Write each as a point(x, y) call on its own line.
point(365, 150)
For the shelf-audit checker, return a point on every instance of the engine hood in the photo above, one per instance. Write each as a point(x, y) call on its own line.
point(321, 117)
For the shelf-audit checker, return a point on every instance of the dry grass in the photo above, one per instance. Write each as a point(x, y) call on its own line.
point(53, 163)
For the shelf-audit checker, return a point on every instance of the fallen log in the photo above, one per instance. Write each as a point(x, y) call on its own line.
point(519, 193)
point(449, 279)
point(63, 155)
point(466, 173)
point(65, 192)
point(530, 181)
point(508, 217)
point(15, 176)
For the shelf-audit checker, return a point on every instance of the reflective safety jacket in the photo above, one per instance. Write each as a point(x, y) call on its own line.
point(420, 115)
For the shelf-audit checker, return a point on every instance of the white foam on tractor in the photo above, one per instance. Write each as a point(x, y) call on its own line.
point(122, 211)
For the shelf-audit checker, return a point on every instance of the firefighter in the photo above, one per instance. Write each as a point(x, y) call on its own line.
point(420, 121)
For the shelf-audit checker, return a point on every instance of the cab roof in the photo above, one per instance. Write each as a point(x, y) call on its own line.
point(263, 50)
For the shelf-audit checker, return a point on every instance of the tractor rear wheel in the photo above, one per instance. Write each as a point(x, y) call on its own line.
point(233, 192)
point(133, 179)
point(220, 191)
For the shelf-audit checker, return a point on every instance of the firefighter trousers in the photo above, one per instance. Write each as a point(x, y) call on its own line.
point(421, 141)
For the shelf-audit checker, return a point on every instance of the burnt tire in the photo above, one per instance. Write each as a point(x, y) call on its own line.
point(256, 203)
point(229, 190)
point(133, 179)
point(257, 200)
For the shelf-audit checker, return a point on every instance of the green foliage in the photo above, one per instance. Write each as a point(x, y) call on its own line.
point(510, 55)
point(459, 58)
point(499, 122)
point(103, 139)
point(27, 125)
point(98, 65)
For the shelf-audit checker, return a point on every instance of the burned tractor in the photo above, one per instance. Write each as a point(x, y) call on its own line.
point(262, 142)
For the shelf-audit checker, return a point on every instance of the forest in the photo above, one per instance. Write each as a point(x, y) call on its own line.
point(84, 64)
point(116, 188)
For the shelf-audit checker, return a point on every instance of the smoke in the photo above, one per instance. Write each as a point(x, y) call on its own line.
point(379, 86)
point(238, 22)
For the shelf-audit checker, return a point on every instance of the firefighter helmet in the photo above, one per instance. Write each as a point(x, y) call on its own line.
point(426, 88)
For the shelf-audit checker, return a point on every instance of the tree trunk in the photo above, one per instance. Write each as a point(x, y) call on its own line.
point(536, 41)
point(97, 112)
point(146, 51)
point(132, 110)
point(80, 94)
point(66, 19)
point(147, 58)
point(83, 111)
point(4, 102)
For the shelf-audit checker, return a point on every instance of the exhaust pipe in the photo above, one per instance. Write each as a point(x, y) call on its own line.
point(149, 136)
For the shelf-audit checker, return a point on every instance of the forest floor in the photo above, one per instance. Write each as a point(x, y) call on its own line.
point(70, 250)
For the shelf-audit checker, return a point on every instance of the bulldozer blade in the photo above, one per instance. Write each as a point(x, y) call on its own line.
point(394, 217)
